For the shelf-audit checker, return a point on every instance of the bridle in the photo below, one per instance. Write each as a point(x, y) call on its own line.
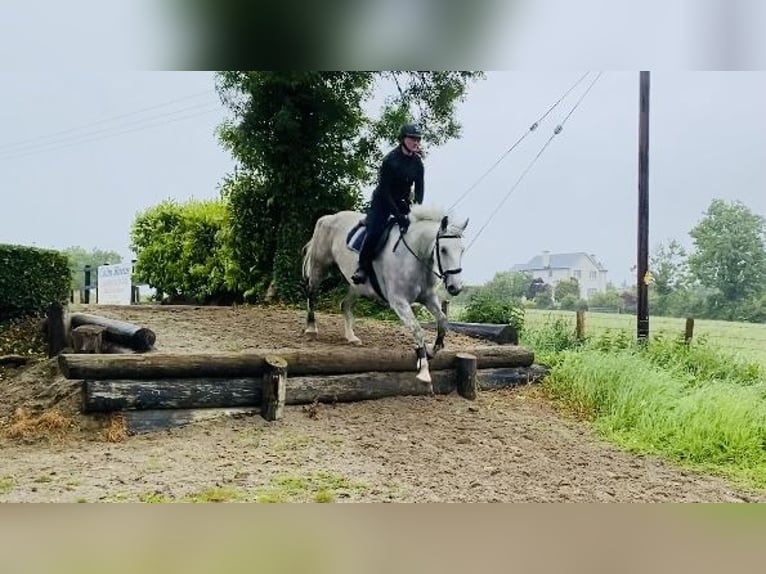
point(441, 274)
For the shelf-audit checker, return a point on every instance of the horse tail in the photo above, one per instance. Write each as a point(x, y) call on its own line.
point(306, 266)
point(308, 253)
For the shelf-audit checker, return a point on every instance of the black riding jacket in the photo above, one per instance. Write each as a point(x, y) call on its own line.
point(397, 174)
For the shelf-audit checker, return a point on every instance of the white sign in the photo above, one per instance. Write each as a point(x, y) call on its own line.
point(115, 284)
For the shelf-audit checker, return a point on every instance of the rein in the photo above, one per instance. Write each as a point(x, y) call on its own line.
point(442, 274)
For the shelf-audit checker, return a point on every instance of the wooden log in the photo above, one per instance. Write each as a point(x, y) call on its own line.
point(13, 360)
point(503, 378)
point(342, 360)
point(354, 387)
point(120, 332)
point(273, 388)
point(161, 394)
point(114, 395)
point(88, 339)
point(499, 333)
point(138, 422)
point(465, 375)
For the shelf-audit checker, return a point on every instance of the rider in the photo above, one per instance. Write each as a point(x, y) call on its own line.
point(401, 167)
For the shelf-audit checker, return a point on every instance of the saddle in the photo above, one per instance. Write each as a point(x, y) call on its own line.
point(357, 235)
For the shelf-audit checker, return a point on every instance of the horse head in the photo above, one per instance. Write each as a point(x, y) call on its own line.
point(449, 254)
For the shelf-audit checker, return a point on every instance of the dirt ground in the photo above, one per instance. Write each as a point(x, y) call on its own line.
point(507, 446)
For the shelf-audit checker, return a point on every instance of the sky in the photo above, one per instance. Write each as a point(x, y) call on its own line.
point(81, 153)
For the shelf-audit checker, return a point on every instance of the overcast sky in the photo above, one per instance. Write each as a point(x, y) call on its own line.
point(64, 186)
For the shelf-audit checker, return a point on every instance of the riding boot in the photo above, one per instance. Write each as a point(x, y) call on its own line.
point(360, 275)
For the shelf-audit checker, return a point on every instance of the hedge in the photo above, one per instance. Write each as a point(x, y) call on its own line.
point(31, 279)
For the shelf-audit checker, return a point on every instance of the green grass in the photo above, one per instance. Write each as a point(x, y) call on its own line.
point(7, 484)
point(320, 487)
point(697, 405)
point(215, 494)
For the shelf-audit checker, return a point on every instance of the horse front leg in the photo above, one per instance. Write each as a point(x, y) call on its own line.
point(348, 316)
point(433, 304)
point(404, 311)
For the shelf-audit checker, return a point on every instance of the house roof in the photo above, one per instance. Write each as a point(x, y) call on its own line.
point(557, 261)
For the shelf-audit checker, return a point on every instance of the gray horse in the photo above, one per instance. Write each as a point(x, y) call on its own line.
point(407, 269)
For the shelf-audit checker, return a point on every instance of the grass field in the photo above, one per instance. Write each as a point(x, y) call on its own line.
point(747, 340)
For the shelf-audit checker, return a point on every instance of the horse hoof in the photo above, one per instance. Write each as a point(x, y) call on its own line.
point(355, 341)
point(311, 334)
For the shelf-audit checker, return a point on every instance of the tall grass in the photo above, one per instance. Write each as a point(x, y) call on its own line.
point(693, 404)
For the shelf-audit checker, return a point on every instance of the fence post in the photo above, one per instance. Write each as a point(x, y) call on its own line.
point(465, 369)
point(274, 388)
point(580, 327)
point(56, 333)
point(86, 286)
point(689, 333)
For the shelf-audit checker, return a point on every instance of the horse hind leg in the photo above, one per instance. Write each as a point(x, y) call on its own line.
point(311, 330)
point(313, 272)
point(348, 317)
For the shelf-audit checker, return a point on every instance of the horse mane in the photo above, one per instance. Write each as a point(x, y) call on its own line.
point(433, 214)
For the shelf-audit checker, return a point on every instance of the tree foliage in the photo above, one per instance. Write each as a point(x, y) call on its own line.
point(730, 254)
point(305, 146)
point(570, 288)
point(181, 250)
point(669, 267)
point(80, 257)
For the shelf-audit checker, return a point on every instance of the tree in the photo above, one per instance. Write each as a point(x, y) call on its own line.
point(180, 250)
point(670, 267)
point(564, 288)
point(730, 255)
point(79, 258)
point(508, 285)
point(305, 147)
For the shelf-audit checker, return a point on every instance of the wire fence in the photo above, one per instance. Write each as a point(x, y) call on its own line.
point(746, 339)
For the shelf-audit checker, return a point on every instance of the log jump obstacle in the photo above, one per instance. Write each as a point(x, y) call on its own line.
point(160, 390)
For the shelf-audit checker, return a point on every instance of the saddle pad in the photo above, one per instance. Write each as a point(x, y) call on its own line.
point(355, 237)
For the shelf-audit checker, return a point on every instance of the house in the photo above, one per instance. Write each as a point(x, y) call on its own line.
point(555, 267)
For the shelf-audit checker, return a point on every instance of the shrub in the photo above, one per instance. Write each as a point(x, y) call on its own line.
point(483, 307)
point(31, 279)
point(180, 249)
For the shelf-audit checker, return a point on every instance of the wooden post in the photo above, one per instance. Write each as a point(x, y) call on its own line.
point(86, 286)
point(465, 369)
point(689, 333)
point(56, 331)
point(274, 386)
point(580, 326)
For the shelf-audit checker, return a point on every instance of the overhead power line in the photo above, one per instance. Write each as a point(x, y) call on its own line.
point(107, 136)
point(557, 130)
point(531, 128)
point(104, 120)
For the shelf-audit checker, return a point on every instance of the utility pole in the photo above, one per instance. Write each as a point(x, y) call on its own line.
point(642, 279)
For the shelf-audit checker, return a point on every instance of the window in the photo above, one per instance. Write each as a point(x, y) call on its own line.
point(550, 272)
point(577, 273)
point(591, 292)
point(593, 275)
